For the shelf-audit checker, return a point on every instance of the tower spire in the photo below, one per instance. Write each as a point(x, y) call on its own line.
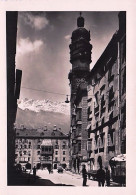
point(80, 21)
point(80, 14)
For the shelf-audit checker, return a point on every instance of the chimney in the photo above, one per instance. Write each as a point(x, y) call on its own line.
point(54, 128)
point(45, 128)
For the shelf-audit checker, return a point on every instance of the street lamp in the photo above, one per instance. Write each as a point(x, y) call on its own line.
point(67, 101)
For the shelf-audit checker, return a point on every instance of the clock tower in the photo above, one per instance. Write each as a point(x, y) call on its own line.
point(80, 58)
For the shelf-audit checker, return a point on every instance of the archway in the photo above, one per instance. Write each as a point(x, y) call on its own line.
point(55, 166)
point(28, 166)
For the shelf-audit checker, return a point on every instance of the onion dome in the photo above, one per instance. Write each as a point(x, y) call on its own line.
point(80, 32)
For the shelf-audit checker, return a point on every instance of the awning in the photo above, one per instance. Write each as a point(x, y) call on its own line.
point(121, 157)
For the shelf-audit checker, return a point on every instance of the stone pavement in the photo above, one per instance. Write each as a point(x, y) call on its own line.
point(55, 179)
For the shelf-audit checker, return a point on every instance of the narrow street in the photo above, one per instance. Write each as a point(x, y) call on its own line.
point(66, 178)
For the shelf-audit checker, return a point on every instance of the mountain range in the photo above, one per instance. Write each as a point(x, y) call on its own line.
point(38, 113)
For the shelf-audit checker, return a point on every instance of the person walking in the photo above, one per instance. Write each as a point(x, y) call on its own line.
point(107, 176)
point(34, 171)
point(101, 176)
point(84, 175)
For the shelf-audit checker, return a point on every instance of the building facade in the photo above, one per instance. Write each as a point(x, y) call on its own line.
point(80, 58)
point(107, 102)
point(42, 148)
point(13, 88)
point(98, 99)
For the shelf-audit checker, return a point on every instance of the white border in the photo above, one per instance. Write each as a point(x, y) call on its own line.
point(72, 5)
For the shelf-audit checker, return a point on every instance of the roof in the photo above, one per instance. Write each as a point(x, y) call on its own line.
point(46, 142)
point(40, 133)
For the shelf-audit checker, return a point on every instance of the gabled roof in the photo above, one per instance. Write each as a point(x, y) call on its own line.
point(40, 133)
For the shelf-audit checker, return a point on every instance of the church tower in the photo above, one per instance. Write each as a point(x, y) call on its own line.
point(80, 58)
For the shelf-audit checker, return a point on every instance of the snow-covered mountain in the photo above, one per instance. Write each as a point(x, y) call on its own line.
point(44, 105)
point(37, 113)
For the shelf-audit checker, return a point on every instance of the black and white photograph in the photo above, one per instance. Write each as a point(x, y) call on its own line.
point(66, 98)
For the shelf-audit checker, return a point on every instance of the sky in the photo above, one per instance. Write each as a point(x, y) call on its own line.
point(42, 54)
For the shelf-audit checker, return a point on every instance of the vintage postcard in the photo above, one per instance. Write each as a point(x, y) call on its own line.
point(67, 71)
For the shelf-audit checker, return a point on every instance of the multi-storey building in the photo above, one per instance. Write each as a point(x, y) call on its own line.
point(80, 58)
point(98, 99)
point(107, 101)
point(13, 88)
point(42, 147)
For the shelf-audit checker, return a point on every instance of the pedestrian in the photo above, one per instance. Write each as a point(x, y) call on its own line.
point(107, 176)
point(34, 171)
point(49, 169)
point(84, 175)
point(101, 176)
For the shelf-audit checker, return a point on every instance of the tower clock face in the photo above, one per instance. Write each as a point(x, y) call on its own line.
point(79, 81)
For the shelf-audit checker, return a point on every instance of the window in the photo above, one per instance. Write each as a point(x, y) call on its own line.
point(38, 146)
point(56, 146)
point(111, 94)
point(56, 142)
point(102, 102)
point(56, 152)
point(29, 146)
point(124, 82)
point(110, 75)
point(64, 146)
point(102, 89)
point(79, 128)
point(56, 158)
point(25, 146)
point(109, 140)
point(102, 120)
point(24, 152)
point(42, 148)
point(16, 146)
point(38, 152)
point(80, 114)
point(96, 124)
point(96, 98)
point(49, 149)
point(89, 145)
point(64, 158)
point(46, 149)
point(64, 152)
